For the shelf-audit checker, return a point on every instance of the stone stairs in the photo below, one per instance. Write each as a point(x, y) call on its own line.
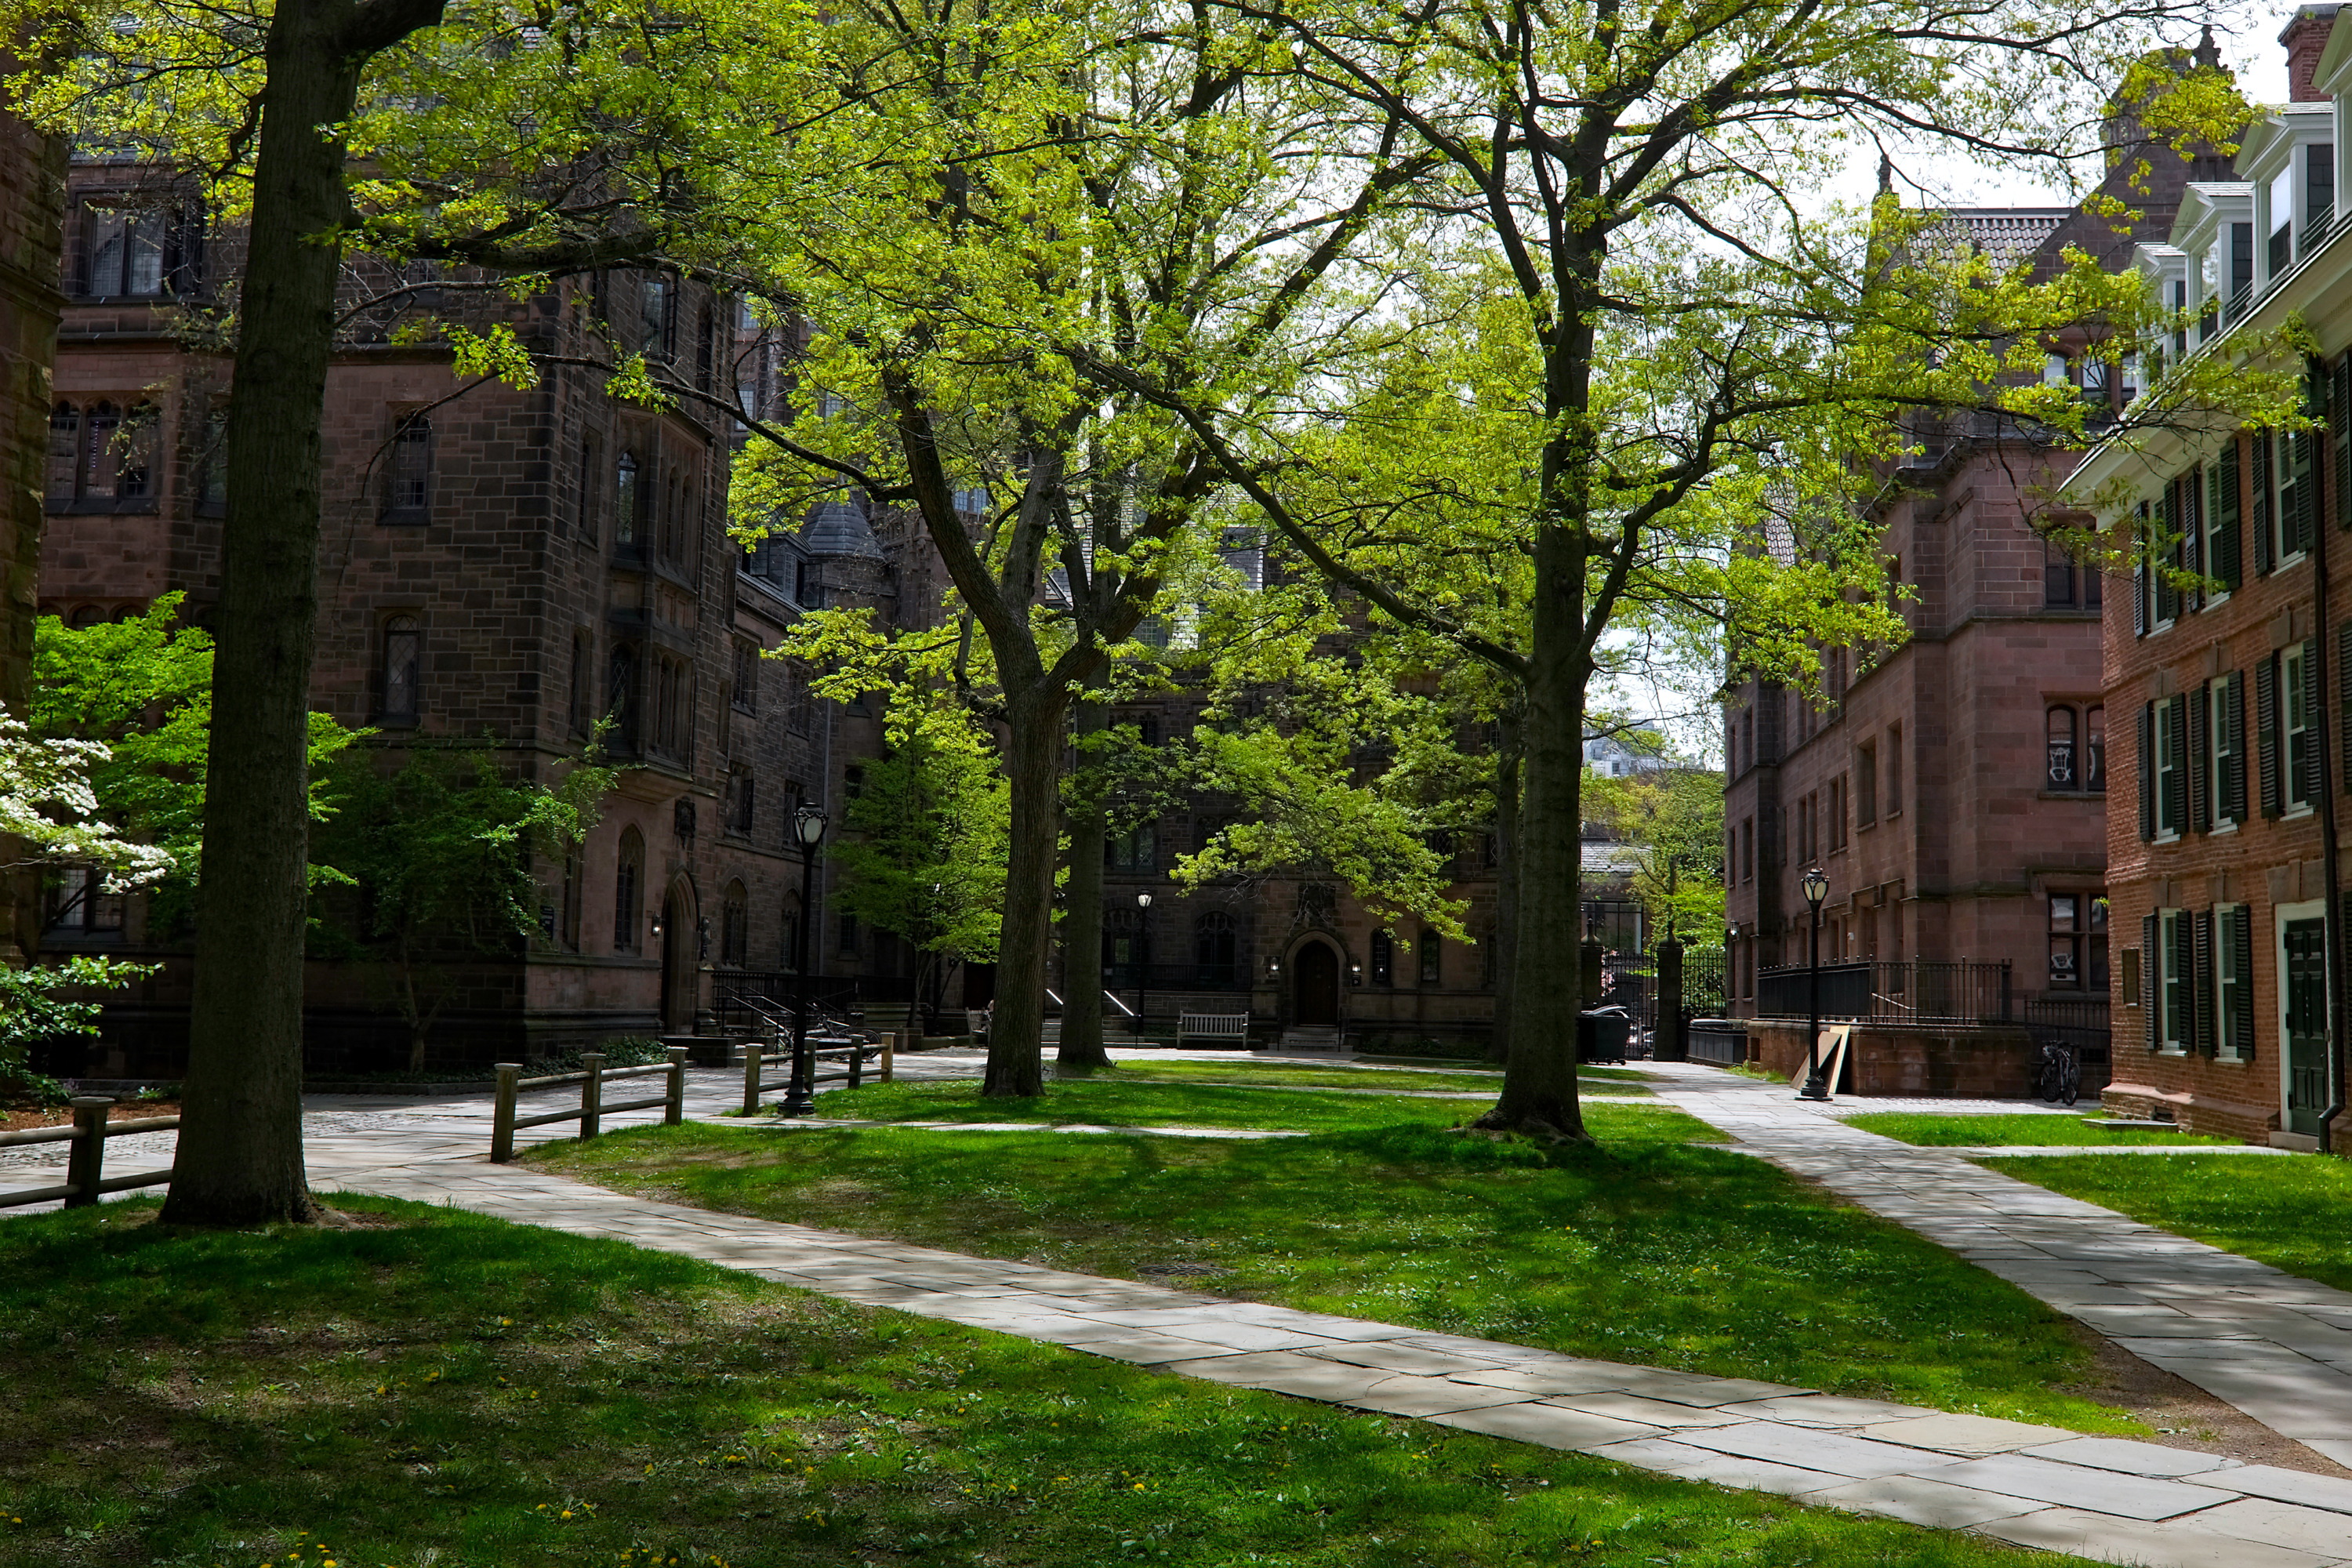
point(1310, 1038)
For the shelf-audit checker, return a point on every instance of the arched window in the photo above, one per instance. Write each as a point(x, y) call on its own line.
point(624, 500)
point(1213, 949)
point(402, 668)
point(2059, 727)
point(2095, 751)
point(735, 926)
point(1383, 959)
point(409, 471)
point(628, 878)
point(64, 482)
point(1429, 958)
point(87, 617)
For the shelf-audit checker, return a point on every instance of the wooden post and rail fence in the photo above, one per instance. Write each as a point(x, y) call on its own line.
point(778, 1054)
point(86, 1160)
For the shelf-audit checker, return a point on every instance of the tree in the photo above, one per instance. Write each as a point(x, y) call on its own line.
point(1695, 355)
point(143, 686)
point(1077, 198)
point(440, 852)
point(927, 862)
point(1672, 817)
point(517, 142)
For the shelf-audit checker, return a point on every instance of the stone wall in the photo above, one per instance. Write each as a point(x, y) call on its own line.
point(1902, 1060)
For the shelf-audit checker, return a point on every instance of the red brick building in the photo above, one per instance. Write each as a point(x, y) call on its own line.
point(2226, 664)
point(498, 566)
point(1953, 787)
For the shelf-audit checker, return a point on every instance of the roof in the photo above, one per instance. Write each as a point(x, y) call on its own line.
point(839, 528)
point(2009, 235)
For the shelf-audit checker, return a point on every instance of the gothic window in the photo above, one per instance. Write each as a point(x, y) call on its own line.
point(134, 248)
point(1383, 959)
point(576, 710)
point(626, 496)
point(1214, 950)
point(628, 875)
point(620, 695)
point(735, 927)
point(742, 795)
point(402, 657)
point(63, 486)
point(1429, 958)
point(409, 469)
point(746, 692)
point(101, 469)
point(656, 315)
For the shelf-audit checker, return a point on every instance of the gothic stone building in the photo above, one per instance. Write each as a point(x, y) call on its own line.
point(499, 568)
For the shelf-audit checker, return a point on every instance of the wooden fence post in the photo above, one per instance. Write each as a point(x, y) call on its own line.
point(889, 1051)
point(86, 1155)
point(502, 1129)
point(856, 1062)
point(674, 1111)
point(592, 1093)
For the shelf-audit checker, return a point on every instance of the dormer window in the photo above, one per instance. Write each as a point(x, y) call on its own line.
point(2281, 235)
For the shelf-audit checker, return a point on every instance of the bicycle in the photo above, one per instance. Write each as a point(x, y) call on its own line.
point(2060, 1079)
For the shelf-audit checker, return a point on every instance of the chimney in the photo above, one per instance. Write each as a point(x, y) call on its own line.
point(2305, 36)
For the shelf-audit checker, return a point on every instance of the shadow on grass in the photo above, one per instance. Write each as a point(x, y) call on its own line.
point(1656, 1252)
point(469, 1393)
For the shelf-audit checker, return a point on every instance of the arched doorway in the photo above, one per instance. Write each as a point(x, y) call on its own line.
point(1314, 979)
point(680, 956)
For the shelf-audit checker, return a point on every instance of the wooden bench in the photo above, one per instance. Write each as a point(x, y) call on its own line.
point(1231, 1028)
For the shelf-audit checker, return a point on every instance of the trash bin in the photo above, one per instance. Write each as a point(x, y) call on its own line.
point(1602, 1034)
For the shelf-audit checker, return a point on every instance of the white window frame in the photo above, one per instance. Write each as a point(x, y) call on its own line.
point(2294, 725)
point(2172, 1028)
point(2226, 983)
point(2166, 748)
point(2215, 694)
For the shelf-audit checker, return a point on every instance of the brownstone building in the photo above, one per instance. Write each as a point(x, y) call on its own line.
point(500, 568)
point(1954, 787)
point(2227, 662)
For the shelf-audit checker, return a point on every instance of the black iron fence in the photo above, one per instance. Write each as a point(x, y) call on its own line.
point(2078, 1023)
point(1913, 991)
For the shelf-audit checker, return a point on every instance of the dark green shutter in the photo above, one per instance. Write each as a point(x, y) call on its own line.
point(2147, 770)
point(2148, 982)
point(2265, 473)
point(2306, 490)
point(2241, 998)
point(2232, 719)
point(2228, 505)
point(2266, 734)
point(2184, 956)
point(2203, 1040)
point(2344, 695)
point(2339, 437)
point(2168, 555)
point(2139, 569)
point(2200, 791)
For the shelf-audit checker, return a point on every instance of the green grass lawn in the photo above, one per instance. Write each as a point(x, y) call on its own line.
point(1952, 1131)
point(2291, 1213)
point(458, 1391)
point(1244, 1069)
point(1112, 1100)
point(1644, 1248)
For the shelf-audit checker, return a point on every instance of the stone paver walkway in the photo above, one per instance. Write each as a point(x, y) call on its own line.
point(2277, 1347)
point(2036, 1486)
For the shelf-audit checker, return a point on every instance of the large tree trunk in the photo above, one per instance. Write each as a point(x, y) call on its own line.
point(1082, 1036)
point(1506, 881)
point(1540, 1075)
point(1032, 758)
point(240, 1151)
point(32, 232)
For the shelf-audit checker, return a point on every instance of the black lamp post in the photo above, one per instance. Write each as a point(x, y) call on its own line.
point(1142, 952)
point(808, 831)
point(1815, 885)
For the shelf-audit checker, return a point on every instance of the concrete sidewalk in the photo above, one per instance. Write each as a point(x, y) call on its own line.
point(2277, 1347)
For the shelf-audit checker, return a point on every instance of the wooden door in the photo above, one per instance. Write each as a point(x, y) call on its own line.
point(2306, 1025)
point(1317, 976)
